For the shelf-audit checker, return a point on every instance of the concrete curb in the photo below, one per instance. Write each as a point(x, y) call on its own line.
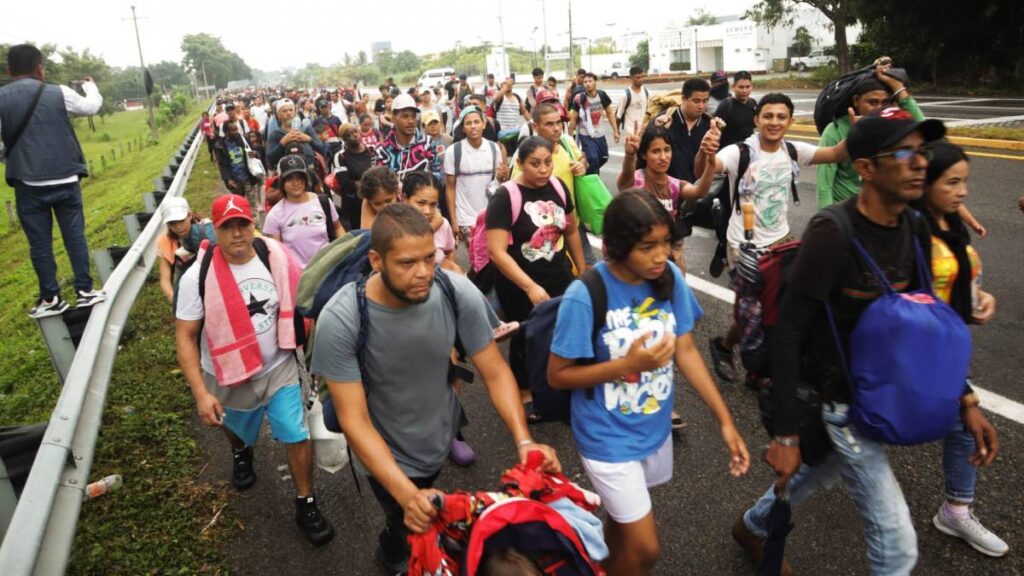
point(958, 140)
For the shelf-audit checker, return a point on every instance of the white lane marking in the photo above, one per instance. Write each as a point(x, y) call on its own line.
point(981, 121)
point(995, 403)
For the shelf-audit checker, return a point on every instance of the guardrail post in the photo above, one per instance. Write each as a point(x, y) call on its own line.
point(135, 223)
point(8, 500)
point(107, 259)
point(11, 218)
point(61, 334)
point(153, 199)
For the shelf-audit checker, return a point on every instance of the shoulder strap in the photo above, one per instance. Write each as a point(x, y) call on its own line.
point(204, 271)
point(262, 252)
point(599, 305)
point(325, 205)
point(458, 157)
point(741, 170)
point(515, 199)
point(629, 100)
point(557, 185)
point(792, 184)
point(16, 135)
point(566, 147)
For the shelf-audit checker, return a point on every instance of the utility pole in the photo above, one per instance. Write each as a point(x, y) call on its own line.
point(544, 19)
point(206, 92)
point(568, 71)
point(142, 64)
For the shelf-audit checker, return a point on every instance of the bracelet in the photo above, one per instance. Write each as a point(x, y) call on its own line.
point(525, 443)
point(787, 442)
point(896, 94)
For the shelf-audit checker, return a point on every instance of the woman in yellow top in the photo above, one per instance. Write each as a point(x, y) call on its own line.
point(956, 271)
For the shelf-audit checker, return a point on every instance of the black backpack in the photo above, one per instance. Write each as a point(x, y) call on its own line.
point(835, 98)
point(707, 214)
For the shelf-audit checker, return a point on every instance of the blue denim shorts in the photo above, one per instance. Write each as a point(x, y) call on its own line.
point(284, 410)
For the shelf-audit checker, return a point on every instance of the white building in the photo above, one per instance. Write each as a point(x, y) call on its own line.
point(734, 43)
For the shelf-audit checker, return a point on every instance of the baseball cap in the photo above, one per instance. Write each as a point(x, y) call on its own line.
point(430, 116)
point(282, 103)
point(403, 102)
point(885, 127)
point(321, 102)
point(228, 207)
point(462, 76)
point(719, 76)
point(174, 209)
point(229, 106)
point(291, 164)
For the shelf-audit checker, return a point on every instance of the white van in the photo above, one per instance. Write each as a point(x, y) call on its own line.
point(435, 76)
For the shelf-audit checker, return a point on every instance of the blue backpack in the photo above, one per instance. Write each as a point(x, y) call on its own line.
point(538, 330)
point(909, 357)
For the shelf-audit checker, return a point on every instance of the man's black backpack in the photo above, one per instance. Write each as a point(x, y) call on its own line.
point(706, 213)
point(835, 98)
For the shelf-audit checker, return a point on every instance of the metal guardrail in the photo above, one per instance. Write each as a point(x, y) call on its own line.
point(42, 529)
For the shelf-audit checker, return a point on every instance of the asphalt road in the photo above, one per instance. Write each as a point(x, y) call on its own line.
point(696, 509)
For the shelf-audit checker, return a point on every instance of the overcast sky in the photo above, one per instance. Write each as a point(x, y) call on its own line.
point(269, 36)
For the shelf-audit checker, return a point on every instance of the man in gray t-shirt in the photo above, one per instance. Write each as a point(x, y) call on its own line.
point(401, 416)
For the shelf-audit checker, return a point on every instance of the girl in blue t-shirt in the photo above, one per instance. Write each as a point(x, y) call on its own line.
point(623, 429)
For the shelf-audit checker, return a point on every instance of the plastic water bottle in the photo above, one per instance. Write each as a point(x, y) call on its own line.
point(976, 289)
point(103, 486)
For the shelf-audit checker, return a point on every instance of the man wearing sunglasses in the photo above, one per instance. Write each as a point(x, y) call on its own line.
point(886, 151)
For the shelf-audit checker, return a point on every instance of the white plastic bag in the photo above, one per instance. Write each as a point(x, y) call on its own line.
point(329, 448)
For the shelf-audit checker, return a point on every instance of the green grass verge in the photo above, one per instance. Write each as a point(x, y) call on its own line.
point(154, 525)
point(992, 132)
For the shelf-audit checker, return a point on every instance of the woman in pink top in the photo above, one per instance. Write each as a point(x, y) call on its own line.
point(299, 220)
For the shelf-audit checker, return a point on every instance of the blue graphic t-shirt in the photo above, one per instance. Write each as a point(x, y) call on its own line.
point(628, 419)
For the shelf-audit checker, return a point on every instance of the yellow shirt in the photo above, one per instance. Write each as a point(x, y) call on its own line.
point(945, 268)
point(561, 164)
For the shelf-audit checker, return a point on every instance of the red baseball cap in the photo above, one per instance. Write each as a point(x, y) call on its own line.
point(229, 206)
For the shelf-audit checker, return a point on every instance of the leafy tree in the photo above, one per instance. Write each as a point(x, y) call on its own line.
point(361, 58)
point(603, 46)
point(701, 18)
point(168, 74)
point(802, 41)
point(642, 56)
point(222, 65)
point(841, 13)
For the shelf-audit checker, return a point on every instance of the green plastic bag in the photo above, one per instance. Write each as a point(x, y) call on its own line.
point(592, 198)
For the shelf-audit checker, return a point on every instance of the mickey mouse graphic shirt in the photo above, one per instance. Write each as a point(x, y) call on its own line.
point(627, 419)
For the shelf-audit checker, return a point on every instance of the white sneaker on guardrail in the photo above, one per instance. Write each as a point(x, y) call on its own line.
point(45, 308)
point(86, 299)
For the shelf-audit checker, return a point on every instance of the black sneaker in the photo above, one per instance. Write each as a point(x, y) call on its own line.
point(392, 555)
point(243, 475)
point(314, 526)
point(52, 307)
point(86, 299)
point(721, 360)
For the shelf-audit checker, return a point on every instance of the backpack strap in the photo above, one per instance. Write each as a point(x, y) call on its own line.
point(741, 170)
point(495, 158)
point(559, 189)
point(325, 205)
point(599, 304)
point(792, 184)
point(629, 100)
point(515, 199)
point(16, 135)
point(458, 157)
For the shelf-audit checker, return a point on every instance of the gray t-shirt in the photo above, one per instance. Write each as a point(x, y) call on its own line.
point(410, 402)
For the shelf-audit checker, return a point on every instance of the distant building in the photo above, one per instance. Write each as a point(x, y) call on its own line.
point(734, 43)
point(377, 47)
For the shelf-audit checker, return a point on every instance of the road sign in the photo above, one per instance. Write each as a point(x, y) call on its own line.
point(557, 56)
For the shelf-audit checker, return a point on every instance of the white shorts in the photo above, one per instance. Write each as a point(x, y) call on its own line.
point(623, 485)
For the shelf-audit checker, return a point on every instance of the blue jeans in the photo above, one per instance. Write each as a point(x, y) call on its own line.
point(961, 475)
point(596, 151)
point(862, 466)
point(36, 208)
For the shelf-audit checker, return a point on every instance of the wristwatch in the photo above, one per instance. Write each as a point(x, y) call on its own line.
point(970, 400)
point(787, 441)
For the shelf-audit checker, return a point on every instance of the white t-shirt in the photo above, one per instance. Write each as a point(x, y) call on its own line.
point(769, 175)
point(476, 170)
point(258, 291)
point(259, 113)
point(636, 110)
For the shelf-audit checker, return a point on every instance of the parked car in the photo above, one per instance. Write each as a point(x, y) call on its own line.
point(815, 59)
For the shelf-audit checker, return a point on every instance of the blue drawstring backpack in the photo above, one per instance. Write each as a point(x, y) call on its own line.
point(909, 357)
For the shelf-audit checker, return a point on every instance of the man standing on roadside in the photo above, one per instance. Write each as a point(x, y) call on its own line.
point(737, 111)
point(393, 397)
point(633, 103)
point(236, 335)
point(44, 165)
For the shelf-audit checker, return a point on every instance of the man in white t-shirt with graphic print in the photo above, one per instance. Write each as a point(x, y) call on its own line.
point(480, 162)
point(632, 104)
point(766, 184)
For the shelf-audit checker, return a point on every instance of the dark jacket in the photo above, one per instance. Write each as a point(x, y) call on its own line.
point(48, 148)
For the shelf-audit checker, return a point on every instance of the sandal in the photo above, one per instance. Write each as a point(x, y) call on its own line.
point(677, 423)
point(531, 416)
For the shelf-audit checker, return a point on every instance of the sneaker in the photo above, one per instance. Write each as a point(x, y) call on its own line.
point(754, 545)
point(314, 526)
point(390, 555)
point(45, 308)
point(971, 530)
point(721, 360)
point(243, 475)
point(462, 453)
point(86, 299)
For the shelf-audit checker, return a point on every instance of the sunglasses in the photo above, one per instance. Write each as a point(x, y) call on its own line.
point(904, 155)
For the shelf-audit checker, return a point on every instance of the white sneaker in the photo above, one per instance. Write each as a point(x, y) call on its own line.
point(51, 307)
point(86, 299)
point(970, 530)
